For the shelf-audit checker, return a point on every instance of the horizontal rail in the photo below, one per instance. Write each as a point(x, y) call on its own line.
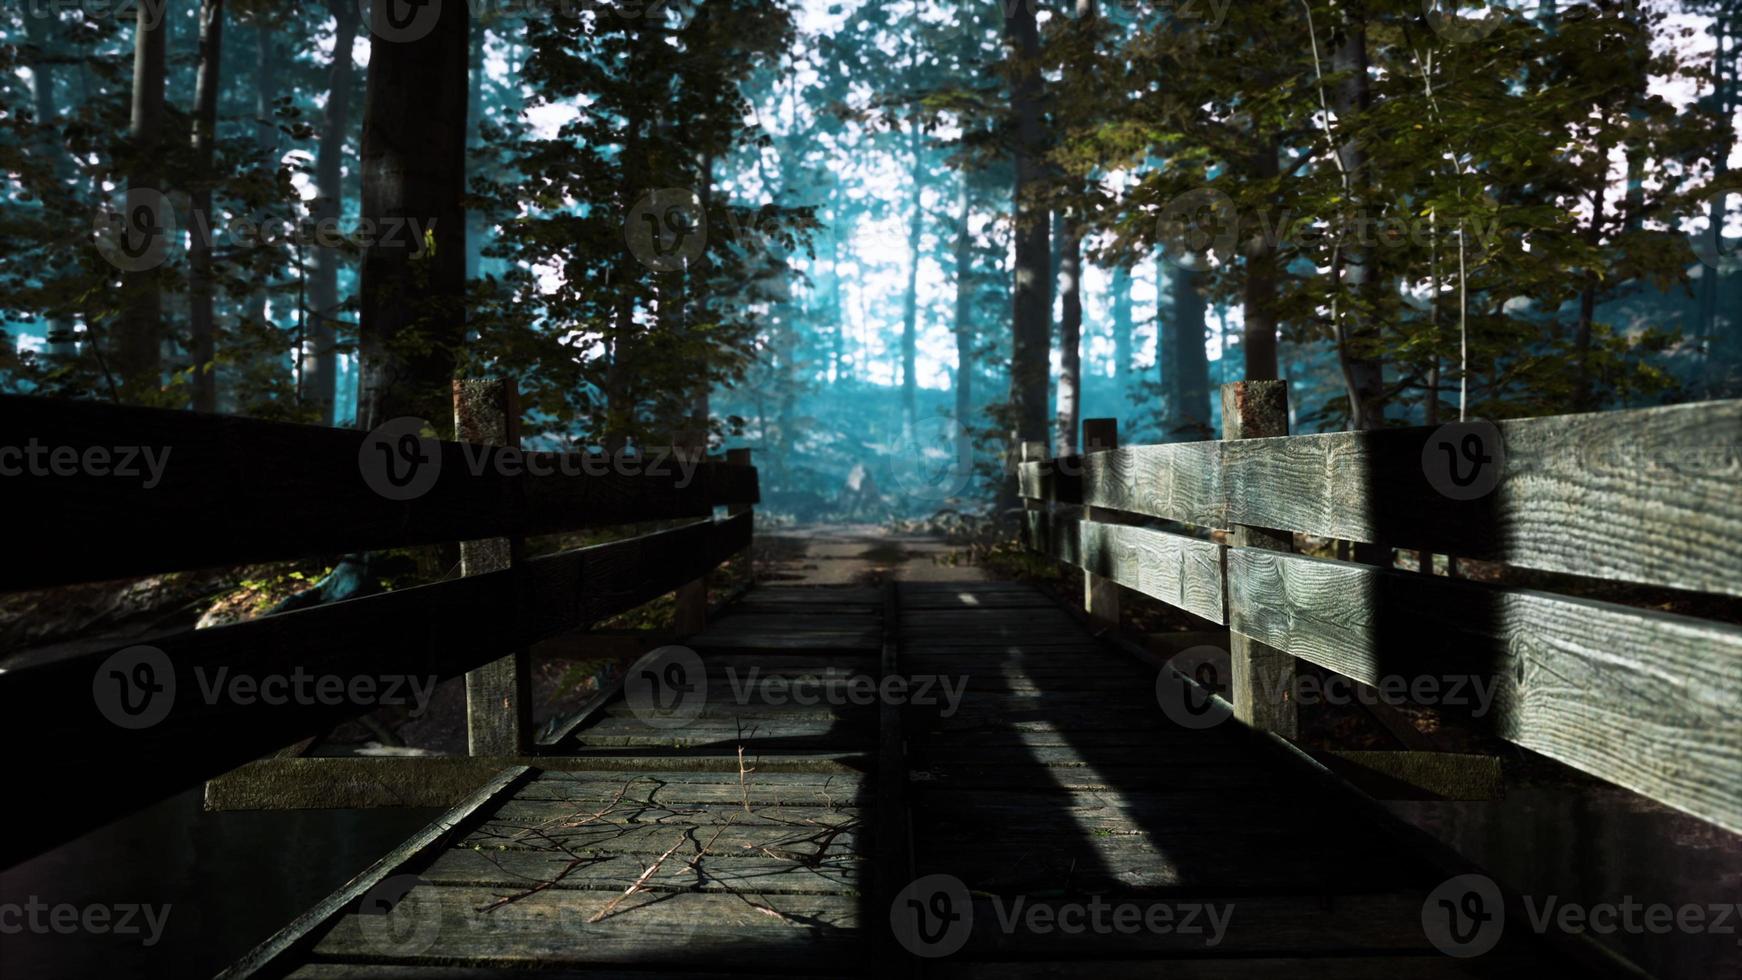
point(428, 633)
point(1647, 496)
point(1178, 569)
point(1644, 699)
point(203, 491)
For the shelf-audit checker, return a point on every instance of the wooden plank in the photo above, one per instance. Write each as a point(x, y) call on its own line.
point(1100, 593)
point(1178, 569)
point(420, 635)
point(550, 930)
point(836, 874)
point(1647, 700)
point(265, 491)
point(1667, 475)
point(1255, 410)
point(301, 931)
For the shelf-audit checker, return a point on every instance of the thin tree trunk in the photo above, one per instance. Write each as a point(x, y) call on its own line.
point(1365, 376)
point(138, 353)
point(320, 360)
point(1032, 297)
point(412, 311)
point(44, 44)
point(202, 329)
point(1120, 303)
point(1259, 338)
point(1185, 367)
point(1070, 339)
point(964, 325)
point(910, 299)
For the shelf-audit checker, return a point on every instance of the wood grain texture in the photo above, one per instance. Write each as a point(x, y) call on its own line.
point(265, 491)
point(1180, 570)
point(1644, 495)
point(1644, 699)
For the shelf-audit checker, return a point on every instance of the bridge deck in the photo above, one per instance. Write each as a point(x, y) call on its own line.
point(1055, 782)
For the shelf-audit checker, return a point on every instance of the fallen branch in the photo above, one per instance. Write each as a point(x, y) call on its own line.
point(634, 887)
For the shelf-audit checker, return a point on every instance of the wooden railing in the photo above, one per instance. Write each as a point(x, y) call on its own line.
point(231, 491)
point(1645, 699)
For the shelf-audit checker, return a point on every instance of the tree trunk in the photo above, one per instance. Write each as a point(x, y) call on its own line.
point(1364, 375)
point(964, 325)
point(1259, 338)
point(138, 354)
point(39, 56)
point(1120, 303)
point(1185, 367)
point(475, 139)
point(1070, 398)
point(202, 329)
point(910, 300)
point(320, 368)
point(412, 311)
point(1031, 304)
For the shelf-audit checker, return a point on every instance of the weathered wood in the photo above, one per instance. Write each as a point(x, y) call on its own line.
point(267, 956)
point(1100, 593)
point(1180, 570)
point(1647, 700)
point(498, 694)
point(266, 491)
point(1668, 476)
point(1262, 686)
point(1403, 775)
point(413, 636)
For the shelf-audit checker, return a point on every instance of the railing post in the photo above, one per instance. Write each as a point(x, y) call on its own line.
point(1100, 595)
point(1263, 677)
point(691, 613)
point(498, 694)
point(741, 457)
point(1031, 451)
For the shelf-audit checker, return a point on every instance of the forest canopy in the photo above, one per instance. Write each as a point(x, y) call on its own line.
point(853, 235)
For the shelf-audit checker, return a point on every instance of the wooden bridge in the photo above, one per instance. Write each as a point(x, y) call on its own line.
point(961, 779)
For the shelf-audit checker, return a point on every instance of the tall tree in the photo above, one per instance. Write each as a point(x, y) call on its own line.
point(1031, 306)
point(320, 359)
point(202, 329)
point(137, 356)
point(412, 306)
